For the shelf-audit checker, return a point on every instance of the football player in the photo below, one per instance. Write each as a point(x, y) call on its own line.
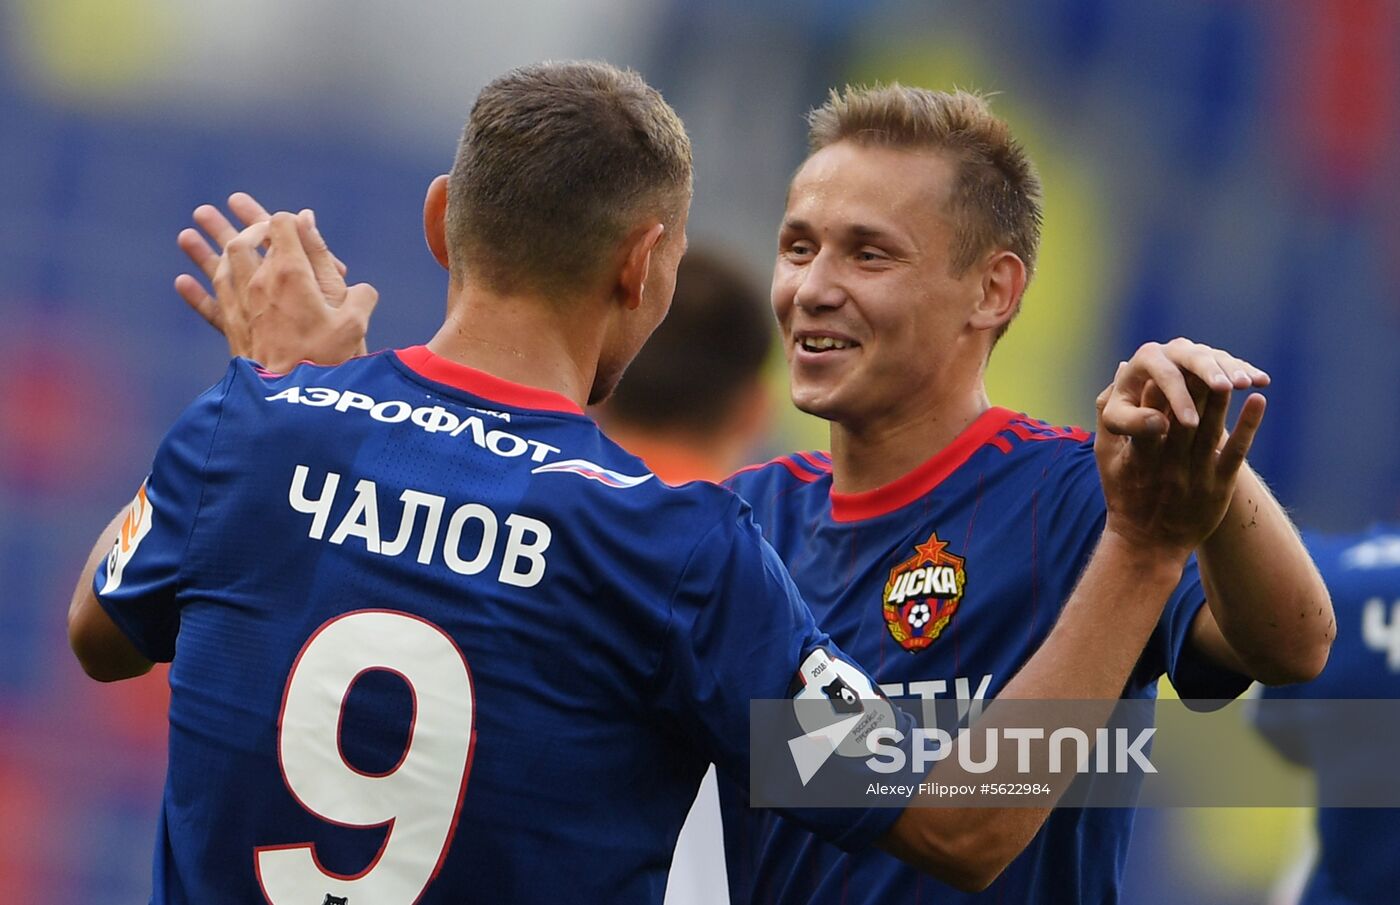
point(1356, 862)
point(909, 238)
point(939, 536)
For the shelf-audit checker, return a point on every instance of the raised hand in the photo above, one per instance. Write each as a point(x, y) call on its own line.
point(1167, 464)
point(205, 256)
point(262, 339)
point(1152, 386)
point(274, 309)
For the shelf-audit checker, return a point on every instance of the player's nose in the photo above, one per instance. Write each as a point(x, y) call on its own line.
point(819, 285)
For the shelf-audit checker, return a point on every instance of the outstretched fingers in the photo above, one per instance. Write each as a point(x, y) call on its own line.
point(197, 248)
point(205, 256)
point(247, 208)
point(1233, 453)
point(198, 298)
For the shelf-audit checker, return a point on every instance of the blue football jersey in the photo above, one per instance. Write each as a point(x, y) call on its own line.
point(943, 584)
point(1356, 862)
point(435, 638)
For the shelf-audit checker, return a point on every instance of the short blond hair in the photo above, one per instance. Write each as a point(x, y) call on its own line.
point(996, 197)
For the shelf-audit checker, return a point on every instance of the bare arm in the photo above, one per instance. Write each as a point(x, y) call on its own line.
point(1166, 490)
point(1268, 614)
point(104, 651)
point(251, 291)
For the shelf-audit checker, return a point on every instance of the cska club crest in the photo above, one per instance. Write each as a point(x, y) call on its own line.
point(923, 593)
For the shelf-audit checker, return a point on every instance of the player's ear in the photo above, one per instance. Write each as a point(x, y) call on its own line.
point(1003, 282)
point(435, 219)
point(636, 262)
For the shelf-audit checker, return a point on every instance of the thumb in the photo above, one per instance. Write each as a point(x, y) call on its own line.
point(330, 273)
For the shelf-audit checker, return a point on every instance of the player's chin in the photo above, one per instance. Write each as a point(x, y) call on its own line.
point(819, 399)
point(603, 387)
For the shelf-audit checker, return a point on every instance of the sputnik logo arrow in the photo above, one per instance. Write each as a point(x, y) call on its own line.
point(811, 750)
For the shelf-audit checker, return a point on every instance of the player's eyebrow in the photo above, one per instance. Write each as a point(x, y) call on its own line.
point(861, 231)
point(855, 230)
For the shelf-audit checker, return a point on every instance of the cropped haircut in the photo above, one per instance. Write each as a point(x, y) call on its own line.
point(693, 371)
point(996, 197)
point(557, 162)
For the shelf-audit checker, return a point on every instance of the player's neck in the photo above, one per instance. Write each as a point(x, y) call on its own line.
point(527, 340)
point(870, 455)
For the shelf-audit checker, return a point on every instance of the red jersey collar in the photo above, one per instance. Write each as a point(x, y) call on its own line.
point(853, 507)
point(423, 362)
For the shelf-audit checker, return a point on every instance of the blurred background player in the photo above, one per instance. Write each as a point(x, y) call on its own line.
point(1355, 860)
point(694, 406)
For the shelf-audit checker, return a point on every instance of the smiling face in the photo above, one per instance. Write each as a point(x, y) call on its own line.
point(874, 323)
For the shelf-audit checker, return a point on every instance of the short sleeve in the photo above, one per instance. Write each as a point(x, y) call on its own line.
point(1286, 727)
point(739, 631)
point(137, 583)
point(1170, 650)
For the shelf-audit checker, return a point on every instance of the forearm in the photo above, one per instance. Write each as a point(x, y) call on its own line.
point(1088, 656)
point(106, 654)
point(1270, 612)
point(1103, 628)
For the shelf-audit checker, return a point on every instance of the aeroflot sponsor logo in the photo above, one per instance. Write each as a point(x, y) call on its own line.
point(468, 546)
point(433, 419)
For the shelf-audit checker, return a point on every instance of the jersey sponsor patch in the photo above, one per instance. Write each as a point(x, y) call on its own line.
point(922, 594)
point(432, 419)
point(594, 472)
point(135, 526)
